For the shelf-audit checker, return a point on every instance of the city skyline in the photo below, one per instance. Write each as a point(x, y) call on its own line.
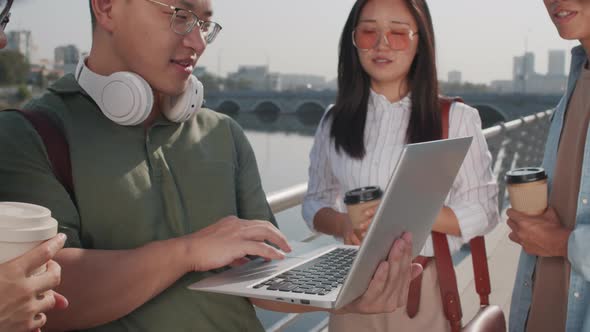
point(525, 78)
point(460, 36)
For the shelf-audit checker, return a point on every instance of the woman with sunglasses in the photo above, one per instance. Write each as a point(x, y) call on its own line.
point(388, 96)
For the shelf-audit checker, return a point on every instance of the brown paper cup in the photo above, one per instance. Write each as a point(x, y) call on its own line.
point(356, 212)
point(529, 198)
point(527, 188)
point(358, 201)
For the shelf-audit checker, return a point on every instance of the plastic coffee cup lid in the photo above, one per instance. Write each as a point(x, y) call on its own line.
point(525, 175)
point(23, 222)
point(361, 195)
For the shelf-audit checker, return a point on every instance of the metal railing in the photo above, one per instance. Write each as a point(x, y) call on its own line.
point(512, 144)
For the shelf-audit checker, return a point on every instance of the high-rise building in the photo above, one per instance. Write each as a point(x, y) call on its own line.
point(529, 64)
point(525, 80)
point(22, 42)
point(455, 77)
point(524, 66)
point(518, 75)
point(66, 58)
point(523, 70)
point(556, 64)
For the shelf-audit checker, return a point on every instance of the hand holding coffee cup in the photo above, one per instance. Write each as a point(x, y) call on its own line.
point(27, 273)
point(359, 203)
point(527, 188)
point(23, 227)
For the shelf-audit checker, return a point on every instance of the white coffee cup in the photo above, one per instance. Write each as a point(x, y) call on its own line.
point(24, 226)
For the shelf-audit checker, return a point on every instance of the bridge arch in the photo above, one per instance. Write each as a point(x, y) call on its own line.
point(229, 107)
point(490, 115)
point(309, 112)
point(267, 111)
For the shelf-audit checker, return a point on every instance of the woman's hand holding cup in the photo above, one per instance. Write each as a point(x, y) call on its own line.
point(354, 235)
point(361, 204)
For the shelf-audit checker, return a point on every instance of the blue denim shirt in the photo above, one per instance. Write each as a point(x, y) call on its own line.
point(578, 310)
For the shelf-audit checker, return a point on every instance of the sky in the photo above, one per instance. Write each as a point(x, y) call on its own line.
point(477, 37)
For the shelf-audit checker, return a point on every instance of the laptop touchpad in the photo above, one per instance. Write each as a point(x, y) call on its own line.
point(301, 249)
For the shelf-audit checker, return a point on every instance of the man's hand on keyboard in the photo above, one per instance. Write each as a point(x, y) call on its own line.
point(231, 239)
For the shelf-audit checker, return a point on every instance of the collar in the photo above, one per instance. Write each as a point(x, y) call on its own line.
point(579, 56)
point(67, 84)
point(578, 51)
point(381, 99)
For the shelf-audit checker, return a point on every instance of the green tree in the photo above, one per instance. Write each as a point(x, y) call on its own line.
point(23, 93)
point(14, 68)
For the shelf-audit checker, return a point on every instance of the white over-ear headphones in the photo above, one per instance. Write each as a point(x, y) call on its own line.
point(127, 99)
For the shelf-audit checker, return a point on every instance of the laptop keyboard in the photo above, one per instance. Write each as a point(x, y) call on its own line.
point(318, 276)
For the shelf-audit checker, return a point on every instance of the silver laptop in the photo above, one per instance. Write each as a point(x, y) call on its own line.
point(334, 275)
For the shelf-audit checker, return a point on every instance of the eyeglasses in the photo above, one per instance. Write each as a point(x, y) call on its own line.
point(398, 36)
point(5, 13)
point(183, 21)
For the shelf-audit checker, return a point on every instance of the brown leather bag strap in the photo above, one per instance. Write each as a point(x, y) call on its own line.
point(480, 270)
point(413, 304)
point(56, 144)
point(445, 104)
point(478, 247)
point(447, 280)
point(444, 263)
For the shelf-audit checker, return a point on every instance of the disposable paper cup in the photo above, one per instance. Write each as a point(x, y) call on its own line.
point(527, 188)
point(23, 227)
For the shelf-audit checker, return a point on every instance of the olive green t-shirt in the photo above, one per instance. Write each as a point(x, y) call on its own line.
point(134, 186)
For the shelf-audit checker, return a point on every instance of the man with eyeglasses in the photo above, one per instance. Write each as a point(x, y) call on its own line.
point(149, 216)
point(24, 298)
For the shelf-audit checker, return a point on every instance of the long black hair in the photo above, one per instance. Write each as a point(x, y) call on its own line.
point(350, 110)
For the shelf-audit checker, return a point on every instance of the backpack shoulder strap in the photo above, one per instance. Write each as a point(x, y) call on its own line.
point(57, 147)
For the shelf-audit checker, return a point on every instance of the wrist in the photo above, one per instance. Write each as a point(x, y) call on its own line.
point(341, 311)
point(180, 249)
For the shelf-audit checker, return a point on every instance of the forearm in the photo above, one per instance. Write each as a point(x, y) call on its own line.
point(104, 285)
point(447, 222)
point(329, 221)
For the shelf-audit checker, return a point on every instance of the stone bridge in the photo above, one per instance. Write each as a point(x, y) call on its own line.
point(493, 108)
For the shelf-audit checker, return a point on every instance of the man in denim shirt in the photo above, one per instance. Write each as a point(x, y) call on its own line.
point(551, 291)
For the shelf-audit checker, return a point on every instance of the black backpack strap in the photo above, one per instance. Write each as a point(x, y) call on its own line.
point(56, 144)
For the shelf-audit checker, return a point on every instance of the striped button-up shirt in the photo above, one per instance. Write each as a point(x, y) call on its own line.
point(473, 196)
